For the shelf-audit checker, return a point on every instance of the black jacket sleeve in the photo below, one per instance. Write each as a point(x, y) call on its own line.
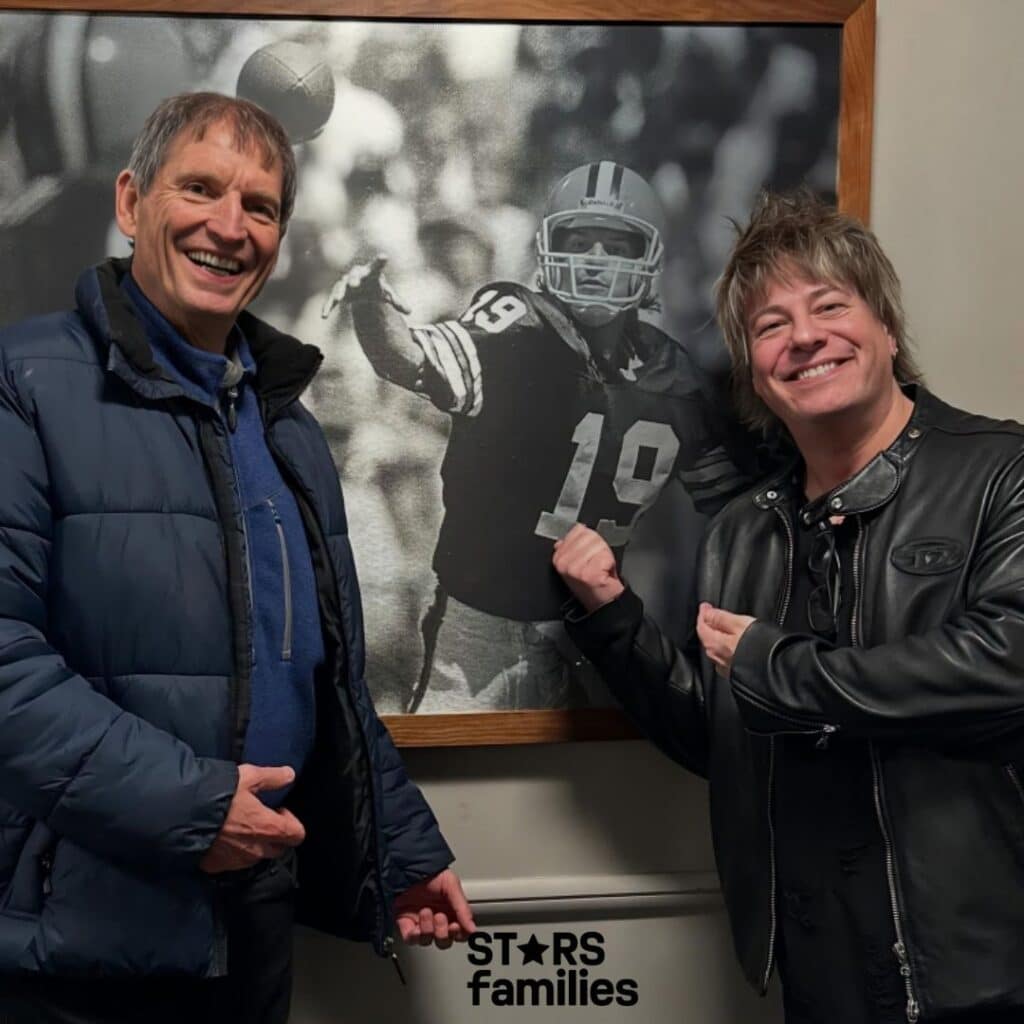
point(658, 686)
point(957, 685)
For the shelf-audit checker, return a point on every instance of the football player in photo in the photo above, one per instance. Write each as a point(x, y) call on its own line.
point(566, 407)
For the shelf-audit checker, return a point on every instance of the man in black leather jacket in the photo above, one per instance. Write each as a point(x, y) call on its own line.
point(855, 689)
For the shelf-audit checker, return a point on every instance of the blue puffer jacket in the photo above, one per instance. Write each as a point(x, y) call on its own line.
point(124, 658)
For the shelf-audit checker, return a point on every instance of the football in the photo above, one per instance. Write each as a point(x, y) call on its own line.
point(292, 82)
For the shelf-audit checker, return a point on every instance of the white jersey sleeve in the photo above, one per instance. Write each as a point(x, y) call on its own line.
point(452, 354)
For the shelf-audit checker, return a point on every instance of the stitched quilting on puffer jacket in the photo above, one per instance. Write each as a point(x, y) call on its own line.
point(124, 640)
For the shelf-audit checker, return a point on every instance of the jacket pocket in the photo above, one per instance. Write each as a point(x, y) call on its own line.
point(286, 583)
point(30, 883)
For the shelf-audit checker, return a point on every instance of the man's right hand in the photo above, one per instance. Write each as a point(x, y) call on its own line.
point(583, 559)
point(363, 282)
point(252, 831)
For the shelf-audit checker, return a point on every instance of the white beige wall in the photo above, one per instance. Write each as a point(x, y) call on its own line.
point(948, 182)
point(609, 835)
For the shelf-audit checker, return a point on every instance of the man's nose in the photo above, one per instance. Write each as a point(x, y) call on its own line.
point(806, 332)
point(227, 218)
point(597, 249)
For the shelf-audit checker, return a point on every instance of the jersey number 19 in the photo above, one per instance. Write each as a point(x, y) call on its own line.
point(629, 488)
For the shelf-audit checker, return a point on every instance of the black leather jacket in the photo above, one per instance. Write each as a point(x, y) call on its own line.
point(934, 682)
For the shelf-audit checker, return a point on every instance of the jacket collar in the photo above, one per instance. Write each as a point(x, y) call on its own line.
point(870, 488)
point(284, 365)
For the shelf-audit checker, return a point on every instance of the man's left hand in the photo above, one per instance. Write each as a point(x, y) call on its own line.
point(435, 910)
point(720, 631)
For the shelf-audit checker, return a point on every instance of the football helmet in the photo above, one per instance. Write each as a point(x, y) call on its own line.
point(594, 285)
point(84, 85)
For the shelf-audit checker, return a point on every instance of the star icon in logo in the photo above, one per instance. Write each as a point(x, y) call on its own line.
point(533, 951)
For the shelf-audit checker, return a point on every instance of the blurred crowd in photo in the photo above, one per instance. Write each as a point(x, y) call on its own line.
point(441, 145)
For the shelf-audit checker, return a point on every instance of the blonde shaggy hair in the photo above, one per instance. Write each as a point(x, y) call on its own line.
point(797, 235)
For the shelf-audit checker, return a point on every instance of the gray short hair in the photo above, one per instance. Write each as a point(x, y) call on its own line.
point(797, 233)
point(195, 112)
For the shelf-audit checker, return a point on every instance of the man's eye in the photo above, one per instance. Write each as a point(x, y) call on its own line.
point(197, 188)
point(766, 328)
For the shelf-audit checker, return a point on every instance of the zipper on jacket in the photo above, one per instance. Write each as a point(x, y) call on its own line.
point(46, 872)
point(773, 926)
point(233, 374)
point(219, 956)
point(231, 417)
point(311, 521)
point(823, 732)
point(826, 734)
point(286, 572)
point(231, 407)
point(248, 564)
point(216, 451)
point(1015, 779)
point(389, 951)
point(858, 552)
point(787, 593)
point(899, 947)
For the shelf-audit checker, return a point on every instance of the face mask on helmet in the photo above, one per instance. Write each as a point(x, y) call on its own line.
point(599, 245)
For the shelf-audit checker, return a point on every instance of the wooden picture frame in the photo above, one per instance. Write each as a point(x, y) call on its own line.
point(855, 19)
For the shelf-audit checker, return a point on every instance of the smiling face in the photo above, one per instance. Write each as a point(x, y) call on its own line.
point(206, 233)
point(819, 355)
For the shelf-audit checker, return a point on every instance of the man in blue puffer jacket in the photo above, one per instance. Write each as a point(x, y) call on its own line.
point(189, 757)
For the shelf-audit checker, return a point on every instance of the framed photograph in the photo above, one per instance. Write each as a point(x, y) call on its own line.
point(540, 198)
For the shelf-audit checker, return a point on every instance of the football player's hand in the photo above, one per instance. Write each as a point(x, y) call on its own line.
point(363, 282)
point(583, 559)
point(435, 910)
point(719, 632)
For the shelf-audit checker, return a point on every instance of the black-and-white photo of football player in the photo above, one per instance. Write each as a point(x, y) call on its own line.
point(566, 406)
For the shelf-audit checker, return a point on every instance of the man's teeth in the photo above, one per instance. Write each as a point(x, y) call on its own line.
point(222, 263)
point(816, 371)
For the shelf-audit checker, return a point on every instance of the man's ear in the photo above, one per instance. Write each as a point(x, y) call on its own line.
point(126, 201)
